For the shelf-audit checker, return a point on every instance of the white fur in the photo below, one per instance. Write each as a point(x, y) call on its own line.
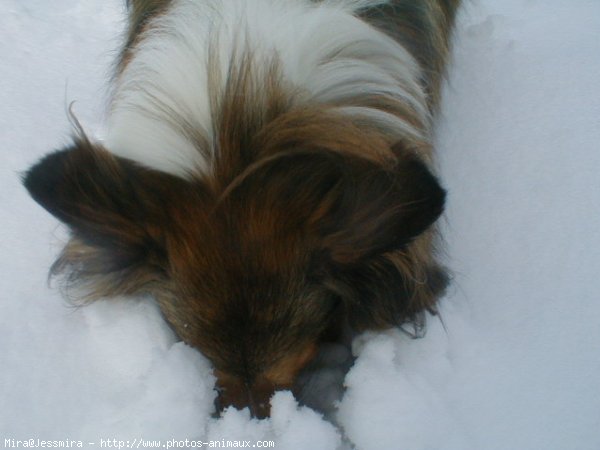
point(327, 55)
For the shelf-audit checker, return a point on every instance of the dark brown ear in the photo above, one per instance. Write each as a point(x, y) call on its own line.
point(355, 214)
point(373, 209)
point(116, 210)
point(354, 208)
point(370, 212)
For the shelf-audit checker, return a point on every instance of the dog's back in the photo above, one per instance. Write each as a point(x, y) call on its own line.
point(422, 26)
point(181, 54)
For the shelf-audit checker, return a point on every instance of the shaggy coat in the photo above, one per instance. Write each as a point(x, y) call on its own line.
point(266, 177)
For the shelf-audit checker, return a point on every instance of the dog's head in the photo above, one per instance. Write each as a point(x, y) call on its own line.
point(248, 271)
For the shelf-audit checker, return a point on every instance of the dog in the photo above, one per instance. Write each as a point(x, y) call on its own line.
point(266, 177)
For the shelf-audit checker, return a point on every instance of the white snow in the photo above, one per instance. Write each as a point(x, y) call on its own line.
point(516, 364)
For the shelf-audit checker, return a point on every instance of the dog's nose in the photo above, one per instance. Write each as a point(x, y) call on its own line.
point(255, 398)
point(260, 406)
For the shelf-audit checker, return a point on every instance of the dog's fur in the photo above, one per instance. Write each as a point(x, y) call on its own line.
point(266, 176)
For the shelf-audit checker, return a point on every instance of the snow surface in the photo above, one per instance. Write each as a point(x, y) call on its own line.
point(516, 364)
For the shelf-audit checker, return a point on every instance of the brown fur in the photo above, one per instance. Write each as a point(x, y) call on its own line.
point(140, 14)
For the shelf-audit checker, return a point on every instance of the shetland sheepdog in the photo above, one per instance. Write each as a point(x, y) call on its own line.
point(266, 176)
